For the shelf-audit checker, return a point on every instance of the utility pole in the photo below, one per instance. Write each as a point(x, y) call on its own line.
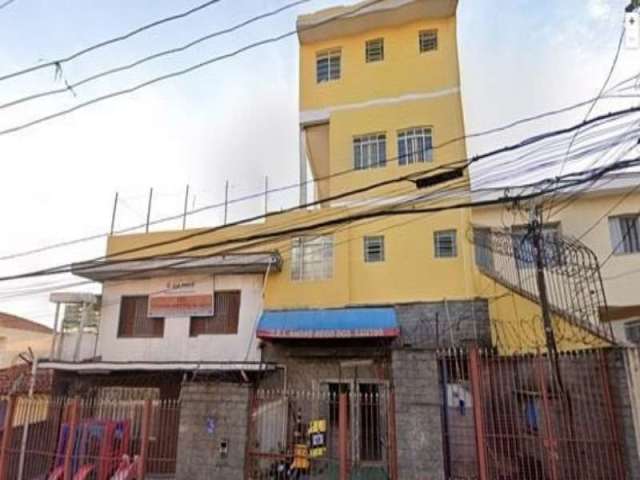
point(536, 230)
point(113, 213)
point(226, 200)
point(186, 206)
point(149, 209)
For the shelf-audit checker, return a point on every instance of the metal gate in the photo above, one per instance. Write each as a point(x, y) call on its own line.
point(344, 431)
point(520, 418)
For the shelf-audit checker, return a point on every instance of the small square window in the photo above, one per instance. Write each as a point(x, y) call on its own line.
point(428, 40)
point(374, 249)
point(374, 50)
point(445, 244)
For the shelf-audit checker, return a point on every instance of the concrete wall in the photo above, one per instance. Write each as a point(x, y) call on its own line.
point(212, 413)
point(418, 414)
point(66, 348)
point(176, 344)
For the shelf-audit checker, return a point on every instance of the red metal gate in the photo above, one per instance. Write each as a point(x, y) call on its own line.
point(520, 418)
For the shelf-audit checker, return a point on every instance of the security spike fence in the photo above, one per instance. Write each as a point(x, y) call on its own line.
point(60, 437)
point(338, 431)
point(571, 270)
point(511, 417)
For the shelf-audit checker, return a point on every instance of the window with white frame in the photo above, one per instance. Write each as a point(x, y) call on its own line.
point(625, 234)
point(445, 244)
point(374, 50)
point(632, 331)
point(328, 65)
point(312, 258)
point(369, 151)
point(415, 145)
point(374, 249)
point(428, 40)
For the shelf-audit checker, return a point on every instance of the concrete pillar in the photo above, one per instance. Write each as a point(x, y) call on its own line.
point(303, 166)
point(212, 414)
point(624, 380)
point(418, 414)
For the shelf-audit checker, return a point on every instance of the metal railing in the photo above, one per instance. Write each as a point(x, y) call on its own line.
point(342, 431)
point(571, 271)
point(508, 417)
point(64, 438)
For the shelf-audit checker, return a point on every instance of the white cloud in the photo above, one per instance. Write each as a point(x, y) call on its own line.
point(599, 9)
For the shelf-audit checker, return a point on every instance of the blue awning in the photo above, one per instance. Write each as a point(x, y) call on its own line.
point(329, 323)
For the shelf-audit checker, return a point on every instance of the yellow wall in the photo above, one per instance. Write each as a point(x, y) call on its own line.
point(410, 271)
point(404, 69)
point(516, 323)
point(440, 114)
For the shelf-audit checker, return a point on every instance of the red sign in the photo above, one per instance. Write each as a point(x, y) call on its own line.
point(194, 305)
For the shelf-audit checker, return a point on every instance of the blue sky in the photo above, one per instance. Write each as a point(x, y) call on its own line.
point(236, 119)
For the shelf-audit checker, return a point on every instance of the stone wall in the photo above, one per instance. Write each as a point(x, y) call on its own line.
point(418, 414)
point(212, 413)
point(444, 324)
point(624, 380)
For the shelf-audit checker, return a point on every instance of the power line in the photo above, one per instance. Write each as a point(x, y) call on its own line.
point(327, 223)
point(72, 86)
point(460, 163)
point(57, 64)
point(295, 185)
point(270, 236)
point(600, 93)
point(6, 4)
point(349, 219)
point(178, 73)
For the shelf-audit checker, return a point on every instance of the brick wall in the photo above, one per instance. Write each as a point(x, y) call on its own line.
point(418, 414)
point(212, 412)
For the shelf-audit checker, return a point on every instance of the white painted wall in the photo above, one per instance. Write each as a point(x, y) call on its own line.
point(589, 214)
point(176, 345)
point(66, 348)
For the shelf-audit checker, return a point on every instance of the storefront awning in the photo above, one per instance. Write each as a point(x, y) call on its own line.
point(329, 323)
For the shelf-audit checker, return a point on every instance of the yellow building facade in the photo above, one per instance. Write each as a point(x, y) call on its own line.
point(412, 86)
point(380, 100)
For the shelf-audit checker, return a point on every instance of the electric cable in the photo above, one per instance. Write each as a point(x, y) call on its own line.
point(180, 72)
point(105, 73)
point(57, 64)
point(461, 163)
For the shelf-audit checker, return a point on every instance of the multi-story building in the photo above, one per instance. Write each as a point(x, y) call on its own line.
point(354, 292)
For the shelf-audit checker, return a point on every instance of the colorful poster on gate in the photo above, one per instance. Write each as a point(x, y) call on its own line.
point(317, 438)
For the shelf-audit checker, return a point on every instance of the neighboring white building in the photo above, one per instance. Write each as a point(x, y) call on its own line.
point(604, 216)
point(170, 314)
